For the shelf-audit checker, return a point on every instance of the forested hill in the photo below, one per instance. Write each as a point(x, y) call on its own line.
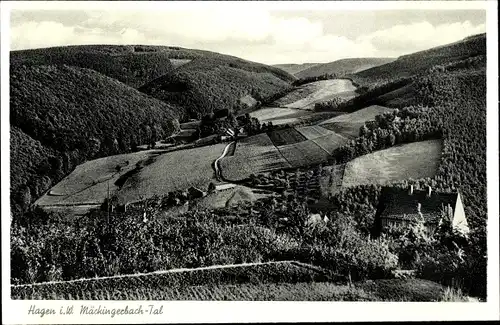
point(61, 116)
point(205, 84)
point(342, 67)
point(198, 81)
point(420, 62)
point(127, 64)
point(294, 68)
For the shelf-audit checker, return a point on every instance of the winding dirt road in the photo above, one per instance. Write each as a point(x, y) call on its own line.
point(216, 163)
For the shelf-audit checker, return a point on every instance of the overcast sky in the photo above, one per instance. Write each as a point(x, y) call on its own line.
point(262, 35)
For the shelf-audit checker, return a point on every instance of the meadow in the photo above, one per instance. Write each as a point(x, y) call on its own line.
point(346, 129)
point(303, 153)
point(409, 161)
point(363, 115)
point(253, 155)
point(330, 142)
point(278, 115)
point(179, 62)
point(286, 136)
point(305, 96)
point(88, 184)
point(313, 131)
point(348, 125)
point(176, 170)
point(291, 116)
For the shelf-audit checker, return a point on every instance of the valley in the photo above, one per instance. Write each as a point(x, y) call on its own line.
point(262, 183)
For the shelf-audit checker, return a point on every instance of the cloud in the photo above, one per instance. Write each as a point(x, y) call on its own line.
point(252, 33)
point(414, 37)
point(40, 34)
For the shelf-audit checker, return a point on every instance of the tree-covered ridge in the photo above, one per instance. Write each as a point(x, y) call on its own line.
point(133, 69)
point(28, 161)
point(76, 114)
point(419, 62)
point(134, 65)
point(205, 85)
point(341, 67)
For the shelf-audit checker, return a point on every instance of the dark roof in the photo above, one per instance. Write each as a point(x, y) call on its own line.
point(399, 204)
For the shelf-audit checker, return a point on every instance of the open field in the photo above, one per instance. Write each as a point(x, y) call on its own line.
point(87, 185)
point(178, 62)
point(346, 129)
point(283, 115)
point(363, 115)
point(253, 155)
point(285, 136)
point(305, 96)
point(303, 153)
point(248, 100)
point(313, 131)
point(348, 125)
point(129, 286)
point(413, 160)
point(266, 114)
point(330, 142)
point(177, 170)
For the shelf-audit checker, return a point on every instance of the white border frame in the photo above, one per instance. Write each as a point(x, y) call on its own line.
point(207, 312)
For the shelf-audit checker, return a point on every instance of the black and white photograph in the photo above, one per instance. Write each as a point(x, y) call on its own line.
point(244, 152)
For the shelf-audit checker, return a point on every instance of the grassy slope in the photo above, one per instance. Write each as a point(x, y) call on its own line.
point(88, 183)
point(76, 114)
point(342, 67)
point(413, 160)
point(419, 62)
point(177, 170)
point(305, 96)
point(205, 85)
point(253, 155)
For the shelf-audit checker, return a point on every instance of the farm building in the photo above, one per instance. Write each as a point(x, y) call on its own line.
point(186, 135)
point(195, 193)
point(399, 207)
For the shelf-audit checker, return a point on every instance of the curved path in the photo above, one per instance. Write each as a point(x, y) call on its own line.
point(180, 270)
point(216, 163)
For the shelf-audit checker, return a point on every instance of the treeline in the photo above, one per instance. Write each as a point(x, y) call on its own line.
point(366, 96)
point(409, 124)
point(306, 80)
point(419, 62)
point(66, 115)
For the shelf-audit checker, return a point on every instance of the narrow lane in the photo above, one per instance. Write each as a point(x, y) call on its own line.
point(216, 163)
